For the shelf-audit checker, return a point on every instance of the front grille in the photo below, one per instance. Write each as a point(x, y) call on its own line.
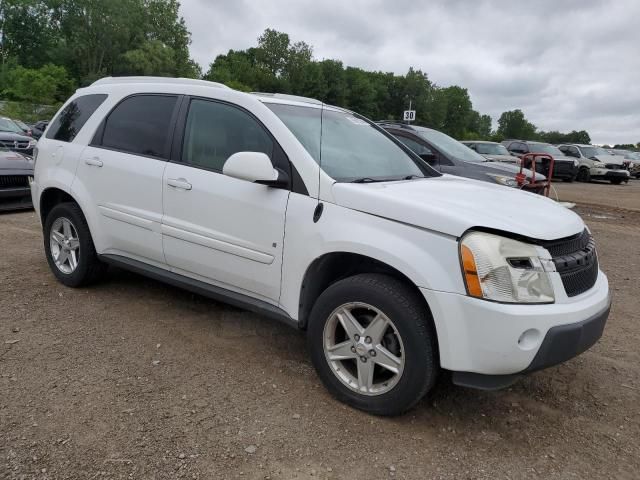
point(13, 181)
point(614, 166)
point(562, 167)
point(576, 261)
point(10, 144)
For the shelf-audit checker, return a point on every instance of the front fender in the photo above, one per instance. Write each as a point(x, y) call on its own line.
point(428, 259)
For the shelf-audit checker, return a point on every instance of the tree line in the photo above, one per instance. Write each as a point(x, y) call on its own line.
point(48, 48)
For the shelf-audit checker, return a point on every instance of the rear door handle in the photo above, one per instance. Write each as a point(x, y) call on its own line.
point(93, 162)
point(180, 183)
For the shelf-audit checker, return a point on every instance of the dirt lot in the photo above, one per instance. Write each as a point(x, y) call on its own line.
point(134, 379)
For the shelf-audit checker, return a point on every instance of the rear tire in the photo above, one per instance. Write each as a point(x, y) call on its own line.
point(69, 247)
point(407, 333)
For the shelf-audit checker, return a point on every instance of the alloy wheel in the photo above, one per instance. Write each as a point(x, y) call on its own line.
point(364, 349)
point(65, 245)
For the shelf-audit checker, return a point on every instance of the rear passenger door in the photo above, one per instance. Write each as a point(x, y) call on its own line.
point(218, 229)
point(121, 172)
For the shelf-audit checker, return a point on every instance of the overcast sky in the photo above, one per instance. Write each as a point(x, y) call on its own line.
point(568, 64)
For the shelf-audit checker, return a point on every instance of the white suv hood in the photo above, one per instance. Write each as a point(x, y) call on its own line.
point(614, 159)
point(452, 205)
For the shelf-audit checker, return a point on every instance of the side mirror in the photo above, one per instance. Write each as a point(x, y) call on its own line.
point(428, 157)
point(254, 167)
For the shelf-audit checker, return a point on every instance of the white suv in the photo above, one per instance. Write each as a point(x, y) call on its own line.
point(315, 216)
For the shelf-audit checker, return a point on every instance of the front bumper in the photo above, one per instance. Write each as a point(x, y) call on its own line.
point(488, 338)
point(606, 174)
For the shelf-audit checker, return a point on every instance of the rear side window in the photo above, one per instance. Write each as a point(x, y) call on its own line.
point(215, 131)
point(70, 121)
point(141, 125)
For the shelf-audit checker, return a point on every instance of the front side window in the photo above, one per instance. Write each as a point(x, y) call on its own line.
point(416, 147)
point(449, 146)
point(141, 125)
point(72, 118)
point(347, 147)
point(215, 131)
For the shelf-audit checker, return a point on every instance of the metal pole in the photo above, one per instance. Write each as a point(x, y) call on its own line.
point(410, 103)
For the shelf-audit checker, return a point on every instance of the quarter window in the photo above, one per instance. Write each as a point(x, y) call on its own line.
point(215, 131)
point(70, 121)
point(141, 125)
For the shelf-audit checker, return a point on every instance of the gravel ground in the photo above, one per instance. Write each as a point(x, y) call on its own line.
point(134, 379)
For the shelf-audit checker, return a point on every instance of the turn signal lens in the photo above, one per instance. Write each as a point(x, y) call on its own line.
point(471, 273)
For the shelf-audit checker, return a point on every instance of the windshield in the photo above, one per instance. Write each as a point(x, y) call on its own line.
point(546, 148)
point(7, 125)
point(491, 149)
point(449, 146)
point(21, 124)
point(352, 148)
point(590, 152)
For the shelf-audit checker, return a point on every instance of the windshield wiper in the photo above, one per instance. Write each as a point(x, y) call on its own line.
point(367, 180)
point(411, 177)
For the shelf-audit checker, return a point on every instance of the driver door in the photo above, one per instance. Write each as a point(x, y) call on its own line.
point(215, 228)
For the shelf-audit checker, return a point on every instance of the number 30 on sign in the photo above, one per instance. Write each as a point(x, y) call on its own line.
point(409, 115)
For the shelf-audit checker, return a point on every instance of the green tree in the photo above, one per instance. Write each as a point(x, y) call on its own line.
point(458, 110)
point(513, 124)
point(47, 85)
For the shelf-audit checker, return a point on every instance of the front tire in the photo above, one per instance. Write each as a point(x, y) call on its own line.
point(616, 181)
point(69, 247)
point(584, 175)
point(373, 344)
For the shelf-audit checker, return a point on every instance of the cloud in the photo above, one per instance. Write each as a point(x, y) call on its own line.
point(568, 64)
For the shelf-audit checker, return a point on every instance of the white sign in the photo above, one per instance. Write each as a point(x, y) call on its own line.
point(409, 115)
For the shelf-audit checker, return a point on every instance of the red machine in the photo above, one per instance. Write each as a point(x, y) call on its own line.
point(545, 163)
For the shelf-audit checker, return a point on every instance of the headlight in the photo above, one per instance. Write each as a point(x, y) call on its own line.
point(502, 180)
point(505, 270)
point(33, 142)
point(598, 164)
point(576, 163)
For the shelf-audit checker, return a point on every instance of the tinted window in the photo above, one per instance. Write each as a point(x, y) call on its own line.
point(416, 147)
point(215, 131)
point(141, 125)
point(71, 120)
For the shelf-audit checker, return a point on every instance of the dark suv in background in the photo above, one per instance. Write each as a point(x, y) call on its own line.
point(448, 155)
point(565, 168)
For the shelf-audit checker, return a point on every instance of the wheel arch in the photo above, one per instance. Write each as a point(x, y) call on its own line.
point(332, 267)
point(51, 197)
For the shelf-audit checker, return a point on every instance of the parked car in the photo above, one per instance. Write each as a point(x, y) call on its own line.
point(16, 170)
point(493, 151)
point(565, 168)
point(631, 159)
point(596, 163)
point(313, 215)
point(26, 129)
point(38, 128)
point(12, 138)
point(450, 156)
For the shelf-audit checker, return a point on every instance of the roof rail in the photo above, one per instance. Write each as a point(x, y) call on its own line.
point(392, 123)
point(284, 96)
point(165, 80)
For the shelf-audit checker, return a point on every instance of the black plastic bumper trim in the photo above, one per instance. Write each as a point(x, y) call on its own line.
point(560, 344)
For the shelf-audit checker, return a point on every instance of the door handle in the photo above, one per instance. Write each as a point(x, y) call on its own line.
point(179, 183)
point(93, 162)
